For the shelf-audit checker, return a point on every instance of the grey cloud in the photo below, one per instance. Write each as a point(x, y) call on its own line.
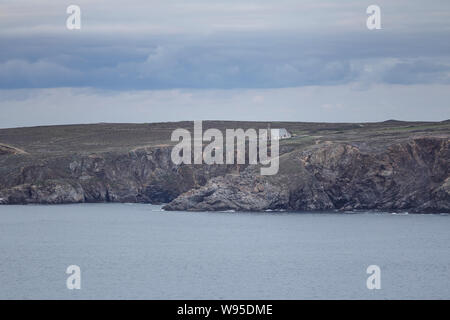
point(40, 74)
point(176, 60)
point(218, 44)
point(420, 71)
point(224, 61)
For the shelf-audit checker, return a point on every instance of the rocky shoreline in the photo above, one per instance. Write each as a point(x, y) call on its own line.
point(396, 172)
point(410, 177)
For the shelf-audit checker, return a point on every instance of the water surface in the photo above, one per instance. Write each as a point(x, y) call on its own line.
point(137, 251)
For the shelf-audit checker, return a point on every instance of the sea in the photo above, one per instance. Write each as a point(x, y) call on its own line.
point(140, 251)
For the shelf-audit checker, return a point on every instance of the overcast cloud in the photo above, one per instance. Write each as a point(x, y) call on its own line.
point(253, 60)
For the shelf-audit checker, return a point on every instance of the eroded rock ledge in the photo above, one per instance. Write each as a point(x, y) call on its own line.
point(411, 176)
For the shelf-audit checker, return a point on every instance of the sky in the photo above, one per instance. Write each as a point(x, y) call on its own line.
point(284, 60)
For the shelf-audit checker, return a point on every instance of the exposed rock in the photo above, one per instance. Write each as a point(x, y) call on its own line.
point(411, 176)
point(6, 149)
point(383, 166)
point(143, 175)
point(233, 192)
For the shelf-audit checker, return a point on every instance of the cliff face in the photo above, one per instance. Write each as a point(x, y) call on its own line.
point(384, 166)
point(411, 176)
point(142, 175)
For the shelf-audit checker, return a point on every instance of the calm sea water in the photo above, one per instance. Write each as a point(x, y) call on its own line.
point(136, 251)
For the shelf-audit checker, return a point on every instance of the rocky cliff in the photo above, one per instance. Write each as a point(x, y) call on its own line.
point(141, 175)
point(411, 176)
point(396, 166)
